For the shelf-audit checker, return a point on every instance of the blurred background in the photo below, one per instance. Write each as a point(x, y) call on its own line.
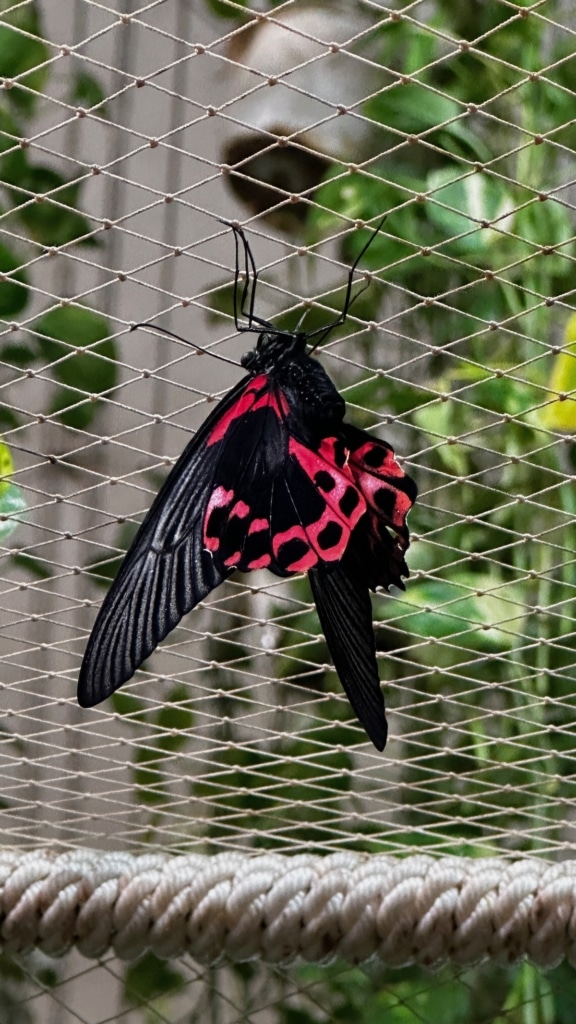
point(129, 131)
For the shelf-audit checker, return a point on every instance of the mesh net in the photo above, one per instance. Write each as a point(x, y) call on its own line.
point(127, 131)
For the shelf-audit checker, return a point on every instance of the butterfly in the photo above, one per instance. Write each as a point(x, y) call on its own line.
point(274, 479)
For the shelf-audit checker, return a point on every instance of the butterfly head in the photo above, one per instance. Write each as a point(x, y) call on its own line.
point(273, 350)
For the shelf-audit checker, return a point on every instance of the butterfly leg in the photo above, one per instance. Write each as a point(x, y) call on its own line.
point(255, 324)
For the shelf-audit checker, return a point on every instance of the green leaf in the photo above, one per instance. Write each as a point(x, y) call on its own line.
point(471, 613)
point(18, 354)
point(13, 293)
point(150, 978)
point(32, 565)
point(72, 409)
point(13, 163)
point(8, 418)
point(75, 341)
point(546, 225)
point(563, 982)
point(437, 422)
point(6, 466)
point(292, 1015)
point(53, 218)
point(21, 55)
point(87, 92)
point(228, 8)
point(411, 108)
point(173, 715)
point(414, 109)
point(12, 501)
point(561, 413)
point(129, 706)
point(457, 204)
point(394, 249)
point(74, 326)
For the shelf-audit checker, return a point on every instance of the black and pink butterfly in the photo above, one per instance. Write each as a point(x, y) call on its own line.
point(274, 479)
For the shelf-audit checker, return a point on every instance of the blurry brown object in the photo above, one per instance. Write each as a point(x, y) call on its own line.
point(296, 113)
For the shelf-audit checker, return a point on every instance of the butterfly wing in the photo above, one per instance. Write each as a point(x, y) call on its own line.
point(374, 557)
point(293, 503)
point(389, 494)
point(289, 508)
point(345, 612)
point(167, 569)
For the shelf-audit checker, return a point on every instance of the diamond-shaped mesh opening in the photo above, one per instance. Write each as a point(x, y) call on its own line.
point(129, 132)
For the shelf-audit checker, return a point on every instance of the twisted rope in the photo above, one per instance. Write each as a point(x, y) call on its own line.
point(275, 908)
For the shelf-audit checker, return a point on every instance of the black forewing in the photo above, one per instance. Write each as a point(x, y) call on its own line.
point(165, 573)
point(345, 612)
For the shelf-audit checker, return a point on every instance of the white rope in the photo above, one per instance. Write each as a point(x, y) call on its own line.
point(415, 910)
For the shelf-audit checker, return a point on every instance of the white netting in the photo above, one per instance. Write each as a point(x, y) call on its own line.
point(127, 132)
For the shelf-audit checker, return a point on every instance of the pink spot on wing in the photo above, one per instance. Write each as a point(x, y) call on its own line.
point(256, 395)
point(220, 498)
point(232, 561)
point(240, 509)
point(260, 563)
point(257, 525)
point(241, 406)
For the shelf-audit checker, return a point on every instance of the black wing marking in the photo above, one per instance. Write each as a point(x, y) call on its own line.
point(165, 573)
point(345, 612)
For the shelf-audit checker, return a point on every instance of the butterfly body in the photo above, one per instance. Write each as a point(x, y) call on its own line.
point(274, 479)
point(315, 406)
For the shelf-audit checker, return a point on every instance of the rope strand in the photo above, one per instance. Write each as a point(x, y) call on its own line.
point(414, 910)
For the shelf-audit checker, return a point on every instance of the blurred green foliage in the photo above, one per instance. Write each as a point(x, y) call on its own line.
point(40, 212)
point(12, 501)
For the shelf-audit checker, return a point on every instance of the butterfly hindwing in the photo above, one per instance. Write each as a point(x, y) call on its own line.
point(374, 557)
point(389, 494)
point(345, 611)
point(276, 502)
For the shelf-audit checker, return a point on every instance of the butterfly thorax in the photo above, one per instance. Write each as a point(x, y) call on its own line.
point(316, 407)
point(273, 350)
